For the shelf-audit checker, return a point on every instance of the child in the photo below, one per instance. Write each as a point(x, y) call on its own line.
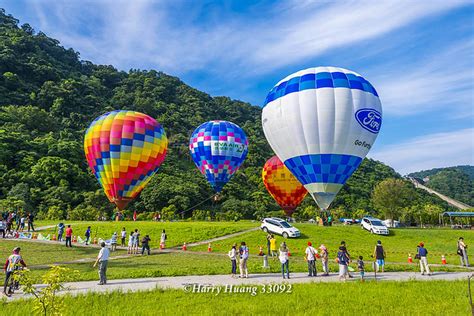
point(360, 267)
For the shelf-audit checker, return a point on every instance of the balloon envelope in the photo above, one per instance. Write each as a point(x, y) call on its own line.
point(124, 150)
point(282, 185)
point(218, 148)
point(321, 122)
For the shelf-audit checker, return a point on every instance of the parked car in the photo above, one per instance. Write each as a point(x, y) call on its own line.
point(374, 225)
point(280, 227)
point(349, 221)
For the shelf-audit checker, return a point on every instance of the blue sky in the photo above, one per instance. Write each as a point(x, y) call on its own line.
point(419, 55)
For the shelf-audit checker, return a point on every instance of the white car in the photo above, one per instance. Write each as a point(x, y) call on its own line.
point(374, 225)
point(280, 227)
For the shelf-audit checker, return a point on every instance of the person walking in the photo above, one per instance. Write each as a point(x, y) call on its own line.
point(273, 247)
point(422, 254)
point(123, 236)
point(30, 220)
point(462, 252)
point(233, 259)
point(379, 254)
point(284, 259)
point(343, 260)
point(113, 242)
point(68, 236)
point(163, 240)
point(102, 260)
point(310, 255)
point(12, 263)
point(244, 255)
point(87, 235)
point(324, 260)
point(146, 244)
point(348, 255)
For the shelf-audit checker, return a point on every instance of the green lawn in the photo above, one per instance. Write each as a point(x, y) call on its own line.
point(370, 298)
point(398, 244)
point(177, 232)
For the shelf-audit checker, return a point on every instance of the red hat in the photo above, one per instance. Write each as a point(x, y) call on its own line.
point(309, 243)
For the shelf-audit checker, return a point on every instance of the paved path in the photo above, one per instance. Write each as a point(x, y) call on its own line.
point(190, 282)
point(204, 242)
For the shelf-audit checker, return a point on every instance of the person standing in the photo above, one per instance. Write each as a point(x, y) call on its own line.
point(361, 267)
point(130, 243)
point(268, 244)
point(146, 244)
point(284, 259)
point(233, 259)
point(102, 260)
point(343, 260)
point(348, 255)
point(68, 236)
point(379, 254)
point(244, 255)
point(423, 253)
point(329, 220)
point(123, 236)
point(60, 231)
point(324, 260)
point(88, 235)
point(22, 223)
point(30, 220)
point(462, 252)
point(113, 242)
point(273, 247)
point(311, 259)
point(163, 240)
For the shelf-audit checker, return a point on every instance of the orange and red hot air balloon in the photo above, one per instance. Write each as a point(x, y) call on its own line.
point(282, 185)
point(124, 150)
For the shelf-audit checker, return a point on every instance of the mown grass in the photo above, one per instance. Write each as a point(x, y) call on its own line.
point(177, 232)
point(352, 298)
point(398, 244)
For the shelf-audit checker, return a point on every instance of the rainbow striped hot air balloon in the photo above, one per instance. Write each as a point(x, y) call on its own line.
point(218, 148)
point(282, 185)
point(124, 150)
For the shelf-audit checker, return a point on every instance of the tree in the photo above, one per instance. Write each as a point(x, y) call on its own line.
point(391, 196)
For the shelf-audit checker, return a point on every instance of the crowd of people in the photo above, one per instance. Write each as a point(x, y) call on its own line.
point(343, 258)
point(13, 222)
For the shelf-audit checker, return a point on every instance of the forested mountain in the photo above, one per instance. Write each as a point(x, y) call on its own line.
point(48, 97)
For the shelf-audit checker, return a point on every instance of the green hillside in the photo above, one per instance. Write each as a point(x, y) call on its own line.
point(48, 97)
point(469, 170)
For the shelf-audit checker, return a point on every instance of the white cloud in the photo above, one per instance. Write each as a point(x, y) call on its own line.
point(430, 151)
point(444, 80)
point(138, 33)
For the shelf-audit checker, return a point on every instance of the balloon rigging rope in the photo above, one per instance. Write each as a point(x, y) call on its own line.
point(192, 207)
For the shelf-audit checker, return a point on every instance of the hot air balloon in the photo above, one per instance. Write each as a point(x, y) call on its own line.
point(218, 148)
point(282, 185)
point(124, 150)
point(321, 122)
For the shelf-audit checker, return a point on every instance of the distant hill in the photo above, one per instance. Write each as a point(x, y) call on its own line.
point(455, 182)
point(49, 96)
point(469, 170)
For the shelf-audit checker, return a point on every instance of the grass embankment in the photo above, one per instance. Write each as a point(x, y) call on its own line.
point(398, 244)
point(177, 232)
point(370, 298)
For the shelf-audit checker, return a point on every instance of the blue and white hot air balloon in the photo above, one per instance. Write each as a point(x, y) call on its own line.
point(321, 122)
point(218, 148)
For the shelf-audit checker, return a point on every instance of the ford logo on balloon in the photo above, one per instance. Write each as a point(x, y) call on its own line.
point(369, 119)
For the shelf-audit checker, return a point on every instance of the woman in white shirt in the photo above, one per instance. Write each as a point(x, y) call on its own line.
point(233, 259)
point(462, 252)
point(284, 259)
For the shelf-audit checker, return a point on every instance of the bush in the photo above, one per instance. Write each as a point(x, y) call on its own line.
point(81, 213)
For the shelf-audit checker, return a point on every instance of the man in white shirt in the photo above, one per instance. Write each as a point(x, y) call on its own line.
point(311, 258)
point(102, 260)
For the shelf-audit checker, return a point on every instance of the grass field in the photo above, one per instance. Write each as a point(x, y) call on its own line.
point(177, 232)
point(370, 298)
point(398, 244)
